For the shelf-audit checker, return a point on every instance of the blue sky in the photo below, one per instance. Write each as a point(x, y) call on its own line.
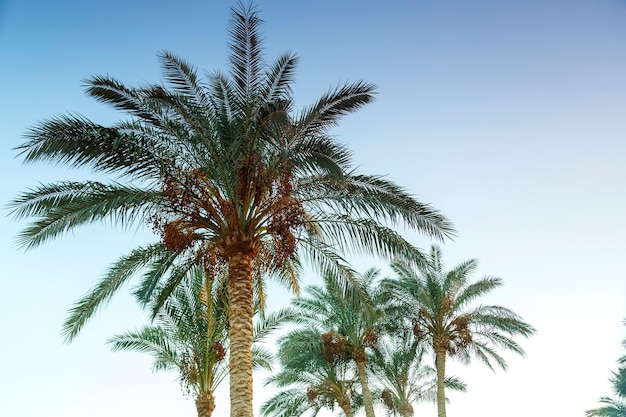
point(507, 116)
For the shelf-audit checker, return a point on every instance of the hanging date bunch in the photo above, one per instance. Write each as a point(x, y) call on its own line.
point(266, 193)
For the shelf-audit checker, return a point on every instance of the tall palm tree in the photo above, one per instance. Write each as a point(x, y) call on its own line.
point(438, 303)
point(311, 378)
point(224, 170)
point(399, 368)
point(347, 320)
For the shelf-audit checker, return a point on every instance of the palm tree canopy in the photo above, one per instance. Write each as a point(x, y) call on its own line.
point(440, 307)
point(217, 166)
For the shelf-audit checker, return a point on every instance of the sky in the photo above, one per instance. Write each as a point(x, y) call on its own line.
point(507, 116)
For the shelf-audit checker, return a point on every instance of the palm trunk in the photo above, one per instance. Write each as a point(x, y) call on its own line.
point(344, 404)
point(440, 363)
point(368, 403)
point(205, 404)
point(406, 409)
point(240, 316)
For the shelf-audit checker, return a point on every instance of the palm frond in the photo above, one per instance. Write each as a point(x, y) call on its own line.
point(117, 275)
point(63, 206)
point(326, 112)
point(149, 339)
point(246, 60)
point(111, 91)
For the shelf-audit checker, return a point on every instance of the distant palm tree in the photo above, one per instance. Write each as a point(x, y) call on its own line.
point(403, 377)
point(438, 303)
point(224, 170)
point(190, 336)
point(614, 407)
point(311, 378)
point(347, 320)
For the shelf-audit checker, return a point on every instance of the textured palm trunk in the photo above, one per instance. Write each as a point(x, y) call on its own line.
point(205, 403)
point(406, 409)
point(368, 403)
point(440, 363)
point(240, 316)
point(344, 403)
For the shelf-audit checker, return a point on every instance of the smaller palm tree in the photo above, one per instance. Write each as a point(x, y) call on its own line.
point(348, 321)
point(311, 378)
point(190, 336)
point(613, 407)
point(438, 303)
point(402, 375)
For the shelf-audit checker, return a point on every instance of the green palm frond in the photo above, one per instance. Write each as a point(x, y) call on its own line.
point(117, 275)
point(132, 100)
point(246, 59)
point(279, 78)
point(149, 339)
point(272, 322)
point(63, 206)
point(469, 293)
point(75, 141)
point(181, 75)
point(334, 104)
point(262, 358)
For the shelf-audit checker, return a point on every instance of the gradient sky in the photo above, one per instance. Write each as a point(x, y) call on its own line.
point(508, 116)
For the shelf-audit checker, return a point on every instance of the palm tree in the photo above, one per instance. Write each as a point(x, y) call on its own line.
point(311, 378)
point(613, 407)
point(398, 367)
point(190, 336)
point(226, 173)
point(347, 320)
point(438, 304)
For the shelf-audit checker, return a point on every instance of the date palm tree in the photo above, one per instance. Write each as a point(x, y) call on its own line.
point(224, 170)
point(311, 378)
point(616, 406)
point(347, 320)
point(439, 305)
point(190, 335)
point(404, 379)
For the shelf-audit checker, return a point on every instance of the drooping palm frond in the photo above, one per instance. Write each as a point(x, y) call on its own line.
point(66, 205)
point(151, 340)
point(612, 408)
point(117, 275)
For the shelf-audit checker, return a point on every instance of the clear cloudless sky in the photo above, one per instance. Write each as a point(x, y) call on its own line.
point(507, 115)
